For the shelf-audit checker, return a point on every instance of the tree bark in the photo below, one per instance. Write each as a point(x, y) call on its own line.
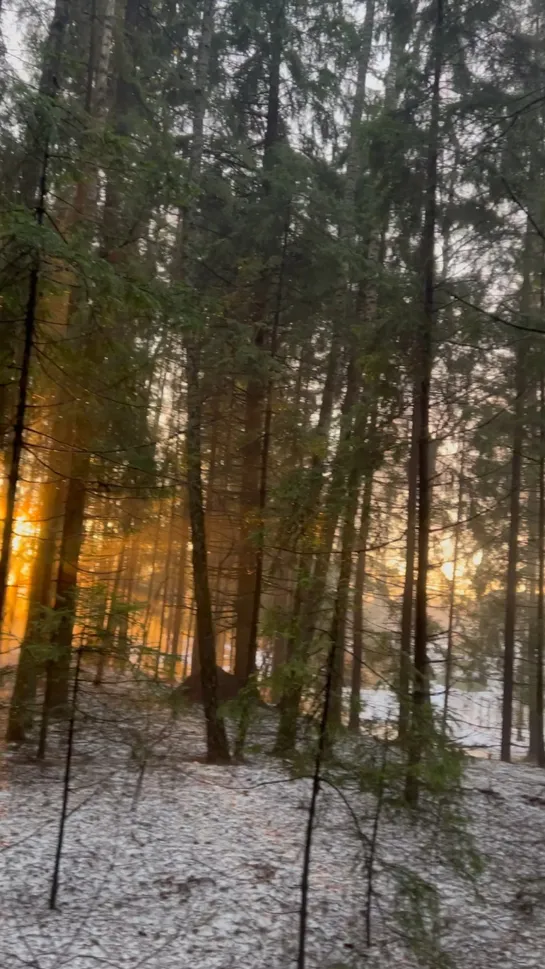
point(512, 560)
point(217, 746)
point(405, 664)
point(538, 745)
point(257, 421)
point(107, 637)
point(22, 393)
point(420, 708)
point(58, 667)
point(452, 591)
point(359, 587)
point(179, 605)
point(340, 606)
point(249, 504)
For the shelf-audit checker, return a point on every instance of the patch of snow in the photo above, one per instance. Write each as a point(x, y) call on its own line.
point(199, 867)
point(474, 717)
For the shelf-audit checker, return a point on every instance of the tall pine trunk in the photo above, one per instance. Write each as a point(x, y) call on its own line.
point(407, 602)
point(340, 605)
point(359, 588)
point(257, 418)
point(85, 207)
point(536, 752)
point(511, 583)
point(420, 707)
point(58, 666)
point(16, 450)
point(181, 586)
point(217, 746)
point(513, 548)
point(452, 591)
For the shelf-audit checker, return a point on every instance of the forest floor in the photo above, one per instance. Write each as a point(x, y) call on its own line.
point(189, 866)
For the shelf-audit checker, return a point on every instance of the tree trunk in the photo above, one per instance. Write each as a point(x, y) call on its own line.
point(538, 743)
point(249, 503)
point(122, 653)
point(512, 561)
point(340, 606)
point(405, 665)
point(359, 585)
point(153, 588)
point(179, 606)
point(452, 592)
point(34, 641)
point(167, 589)
point(188, 638)
point(305, 603)
point(420, 712)
point(310, 593)
point(107, 638)
point(362, 434)
point(217, 746)
point(257, 419)
point(22, 392)
point(58, 667)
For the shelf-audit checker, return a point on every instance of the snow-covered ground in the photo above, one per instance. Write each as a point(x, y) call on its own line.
point(474, 718)
point(201, 867)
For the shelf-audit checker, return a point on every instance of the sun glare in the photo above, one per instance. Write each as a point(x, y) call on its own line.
point(22, 547)
point(447, 569)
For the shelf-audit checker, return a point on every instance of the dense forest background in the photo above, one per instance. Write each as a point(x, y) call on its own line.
point(272, 365)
